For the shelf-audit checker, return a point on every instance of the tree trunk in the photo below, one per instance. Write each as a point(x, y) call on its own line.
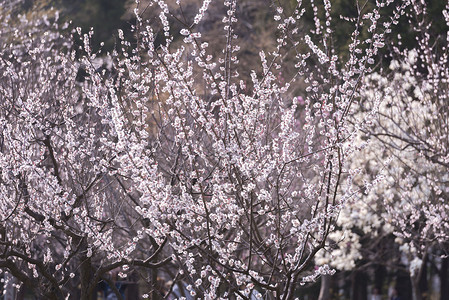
point(404, 285)
point(423, 282)
point(444, 282)
point(416, 291)
point(358, 286)
point(325, 288)
point(154, 295)
point(419, 280)
point(380, 274)
point(86, 272)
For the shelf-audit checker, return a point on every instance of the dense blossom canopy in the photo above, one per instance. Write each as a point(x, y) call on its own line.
point(165, 160)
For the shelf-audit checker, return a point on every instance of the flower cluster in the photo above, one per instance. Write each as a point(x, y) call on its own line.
point(159, 158)
point(405, 145)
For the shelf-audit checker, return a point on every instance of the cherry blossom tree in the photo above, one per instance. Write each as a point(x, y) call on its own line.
point(159, 160)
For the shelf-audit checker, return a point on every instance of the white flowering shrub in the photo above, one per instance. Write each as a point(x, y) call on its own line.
point(405, 148)
point(160, 160)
